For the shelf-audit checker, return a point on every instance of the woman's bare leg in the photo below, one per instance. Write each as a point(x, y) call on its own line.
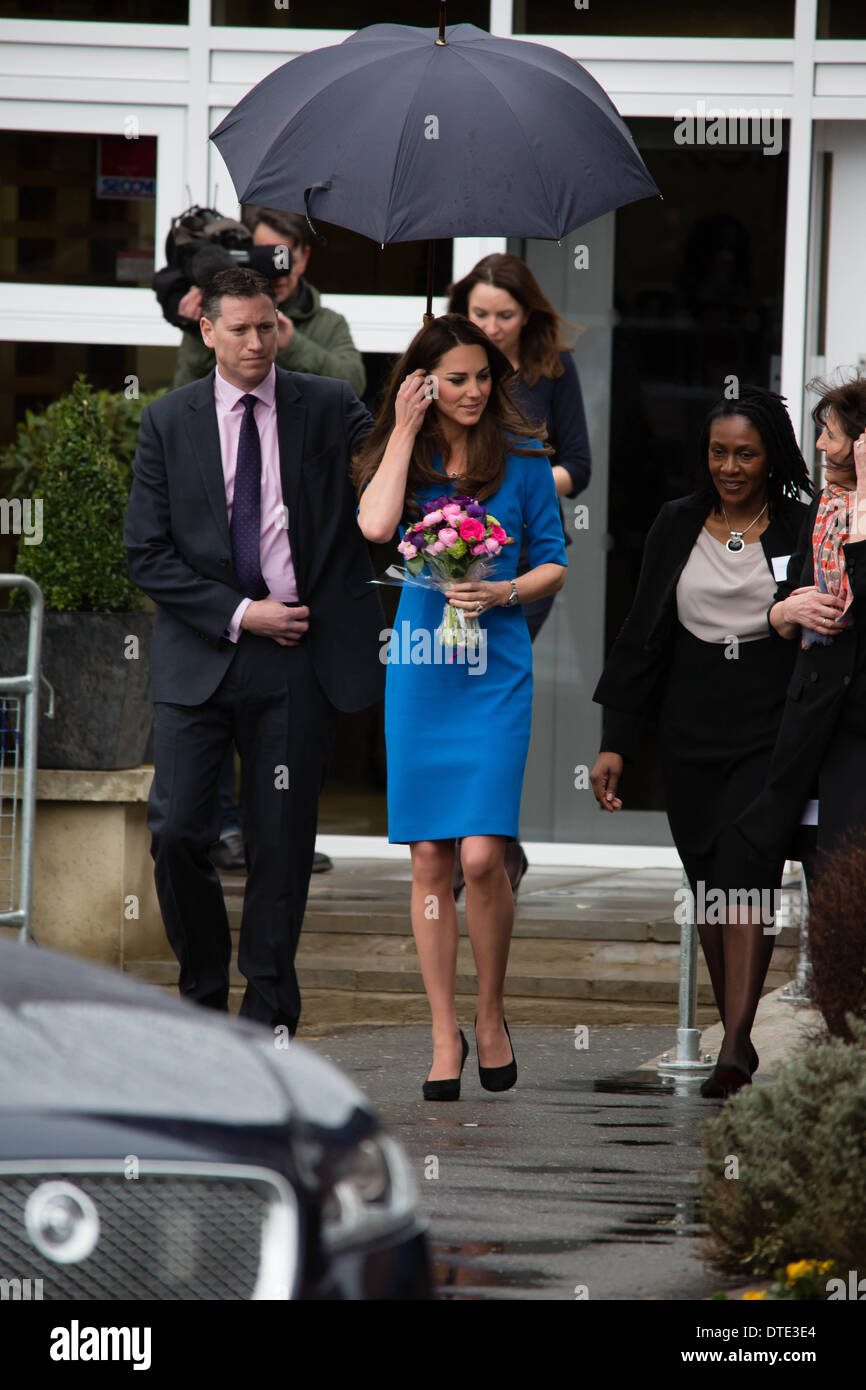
point(489, 921)
point(434, 926)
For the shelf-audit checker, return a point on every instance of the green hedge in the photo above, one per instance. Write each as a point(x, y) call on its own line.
point(800, 1149)
point(67, 459)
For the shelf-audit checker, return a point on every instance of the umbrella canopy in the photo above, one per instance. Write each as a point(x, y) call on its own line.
point(403, 135)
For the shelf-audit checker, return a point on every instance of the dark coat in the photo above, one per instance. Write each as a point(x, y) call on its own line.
point(636, 671)
point(826, 694)
point(179, 548)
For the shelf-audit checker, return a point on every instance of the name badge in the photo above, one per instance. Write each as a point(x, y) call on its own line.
point(780, 568)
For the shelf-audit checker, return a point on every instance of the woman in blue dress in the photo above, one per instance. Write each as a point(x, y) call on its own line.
point(457, 732)
point(502, 296)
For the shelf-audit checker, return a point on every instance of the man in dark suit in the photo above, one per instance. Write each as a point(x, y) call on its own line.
point(241, 526)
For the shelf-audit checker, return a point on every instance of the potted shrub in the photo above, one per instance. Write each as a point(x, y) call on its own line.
point(96, 641)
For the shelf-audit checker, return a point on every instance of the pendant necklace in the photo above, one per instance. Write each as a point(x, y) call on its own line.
point(735, 543)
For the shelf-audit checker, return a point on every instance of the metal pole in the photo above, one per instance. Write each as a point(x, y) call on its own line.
point(796, 991)
point(688, 1054)
point(28, 687)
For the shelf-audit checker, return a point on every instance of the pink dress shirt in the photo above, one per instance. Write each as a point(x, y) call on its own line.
point(278, 570)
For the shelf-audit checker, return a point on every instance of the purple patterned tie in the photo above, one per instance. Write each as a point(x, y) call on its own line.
point(246, 522)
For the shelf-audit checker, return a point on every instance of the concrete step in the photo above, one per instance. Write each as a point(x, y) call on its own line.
point(326, 1010)
point(618, 982)
point(591, 946)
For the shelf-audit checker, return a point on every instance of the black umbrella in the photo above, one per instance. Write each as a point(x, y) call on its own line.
point(407, 134)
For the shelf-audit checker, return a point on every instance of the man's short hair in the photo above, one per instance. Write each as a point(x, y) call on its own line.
point(289, 224)
point(237, 283)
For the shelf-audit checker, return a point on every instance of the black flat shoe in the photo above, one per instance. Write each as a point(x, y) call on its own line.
point(457, 882)
point(497, 1078)
point(449, 1089)
point(725, 1081)
point(731, 1079)
point(712, 1090)
point(516, 870)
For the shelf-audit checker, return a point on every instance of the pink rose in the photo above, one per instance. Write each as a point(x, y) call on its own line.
point(437, 547)
point(479, 549)
point(492, 547)
point(471, 530)
point(432, 517)
point(497, 533)
point(410, 551)
point(451, 511)
point(448, 535)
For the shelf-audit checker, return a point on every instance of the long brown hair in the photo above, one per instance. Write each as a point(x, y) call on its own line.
point(540, 337)
point(500, 430)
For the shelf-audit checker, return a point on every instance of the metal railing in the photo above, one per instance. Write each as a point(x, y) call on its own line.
point(19, 736)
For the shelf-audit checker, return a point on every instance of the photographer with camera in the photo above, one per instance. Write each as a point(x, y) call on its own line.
point(311, 338)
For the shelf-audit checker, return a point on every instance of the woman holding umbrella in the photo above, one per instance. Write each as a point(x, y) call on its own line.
point(457, 737)
point(697, 651)
point(502, 296)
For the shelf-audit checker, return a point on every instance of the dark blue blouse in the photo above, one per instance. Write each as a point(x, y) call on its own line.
point(557, 401)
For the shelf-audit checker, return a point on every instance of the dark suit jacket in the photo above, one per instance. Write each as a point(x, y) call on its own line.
point(635, 673)
point(179, 549)
point(827, 692)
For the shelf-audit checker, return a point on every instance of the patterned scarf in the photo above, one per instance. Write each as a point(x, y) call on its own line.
point(831, 531)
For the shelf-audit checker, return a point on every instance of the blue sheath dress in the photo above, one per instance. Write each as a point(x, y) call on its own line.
point(457, 734)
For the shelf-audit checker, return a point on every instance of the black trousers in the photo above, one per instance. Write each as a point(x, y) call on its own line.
point(272, 707)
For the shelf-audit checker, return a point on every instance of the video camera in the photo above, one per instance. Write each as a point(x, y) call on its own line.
point(199, 245)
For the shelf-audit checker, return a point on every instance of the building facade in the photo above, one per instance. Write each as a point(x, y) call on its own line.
point(751, 118)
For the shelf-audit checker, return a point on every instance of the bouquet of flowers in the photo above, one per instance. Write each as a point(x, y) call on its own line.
point(455, 540)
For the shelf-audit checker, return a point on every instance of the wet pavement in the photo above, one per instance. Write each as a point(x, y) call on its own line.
point(581, 1182)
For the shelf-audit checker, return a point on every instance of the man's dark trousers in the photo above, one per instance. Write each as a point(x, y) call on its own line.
point(273, 707)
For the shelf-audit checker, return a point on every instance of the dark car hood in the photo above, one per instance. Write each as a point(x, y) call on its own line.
point(78, 1037)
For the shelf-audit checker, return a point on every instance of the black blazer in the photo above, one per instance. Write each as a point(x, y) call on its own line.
point(827, 691)
point(636, 670)
point(179, 549)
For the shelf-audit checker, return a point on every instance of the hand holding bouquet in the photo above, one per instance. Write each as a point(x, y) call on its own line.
point(455, 540)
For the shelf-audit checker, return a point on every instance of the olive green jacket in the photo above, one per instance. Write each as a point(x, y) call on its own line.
point(321, 345)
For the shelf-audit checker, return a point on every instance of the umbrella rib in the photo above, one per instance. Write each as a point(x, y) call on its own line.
point(328, 87)
point(467, 57)
point(399, 143)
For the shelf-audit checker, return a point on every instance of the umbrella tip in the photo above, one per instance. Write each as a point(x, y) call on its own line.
point(441, 39)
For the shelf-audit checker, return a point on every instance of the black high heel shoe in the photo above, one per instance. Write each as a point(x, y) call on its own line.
point(497, 1078)
point(449, 1089)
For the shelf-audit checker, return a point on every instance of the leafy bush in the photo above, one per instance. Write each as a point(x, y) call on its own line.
point(837, 938)
point(25, 456)
point(80, 564)
point(800, 1145)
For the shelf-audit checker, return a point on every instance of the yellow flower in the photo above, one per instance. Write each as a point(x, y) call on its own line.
point(753, 1293)
point(796, 1271)
point(824, 1266)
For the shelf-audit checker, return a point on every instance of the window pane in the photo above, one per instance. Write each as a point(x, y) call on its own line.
point(675, 18)
point(107, 11)
point(76, 209)
point(352, 264)
point(344, 14)
point(841, 19)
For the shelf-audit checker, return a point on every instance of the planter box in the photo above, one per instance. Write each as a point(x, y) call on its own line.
point(91, 837)
point(102, 711)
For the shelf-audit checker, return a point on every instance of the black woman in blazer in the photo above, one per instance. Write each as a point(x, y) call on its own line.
point(718, 709)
